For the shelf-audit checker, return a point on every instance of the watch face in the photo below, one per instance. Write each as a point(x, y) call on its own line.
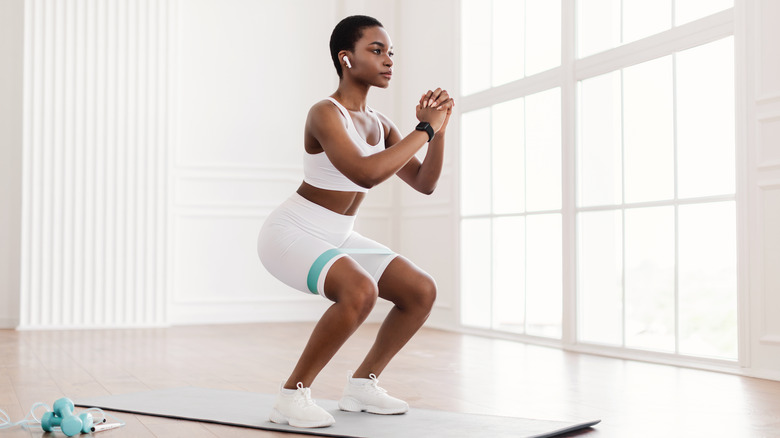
point(425, 126)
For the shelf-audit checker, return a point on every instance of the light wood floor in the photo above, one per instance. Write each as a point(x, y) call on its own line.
point(437, 370)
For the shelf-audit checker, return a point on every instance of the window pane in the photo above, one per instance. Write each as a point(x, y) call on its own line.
point(543, 275)
point(705, 120)
point(650, 302)
point(543, 34)
point(543, 150)
point(475, 46)
point(599, 146)
point(648, 131)
point(508, 160)
point(508, 41)
point(509, 273)
point(475, 264)
point(642, 18)
point(475, 162)
point(708, 280)
point(600, 277)
point(598, 25)
point(689, 10)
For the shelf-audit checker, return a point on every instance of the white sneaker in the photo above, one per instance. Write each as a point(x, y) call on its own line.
point(365, 395)
point(297, 409)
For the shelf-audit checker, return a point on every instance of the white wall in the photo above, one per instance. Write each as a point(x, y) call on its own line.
point(248, 73)
point(759, 81)
point(11, 79)
point(428, 231)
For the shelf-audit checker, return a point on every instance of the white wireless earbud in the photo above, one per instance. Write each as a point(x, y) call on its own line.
point(346, 60)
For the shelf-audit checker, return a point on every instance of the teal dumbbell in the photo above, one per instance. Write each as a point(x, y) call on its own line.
point(64, 418)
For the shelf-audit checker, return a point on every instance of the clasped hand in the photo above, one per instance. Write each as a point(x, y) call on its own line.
point(435, 108)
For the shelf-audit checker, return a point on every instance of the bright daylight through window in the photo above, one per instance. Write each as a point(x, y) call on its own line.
point(653, 202)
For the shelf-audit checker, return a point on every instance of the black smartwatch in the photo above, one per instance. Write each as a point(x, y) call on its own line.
point(425, 126)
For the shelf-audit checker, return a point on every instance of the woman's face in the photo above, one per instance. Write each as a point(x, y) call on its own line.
point(372, 59)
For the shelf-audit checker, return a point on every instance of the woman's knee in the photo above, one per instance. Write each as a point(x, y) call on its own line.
point(419, 297)
point(426, 293)
point(362, 295)
point(356, 291)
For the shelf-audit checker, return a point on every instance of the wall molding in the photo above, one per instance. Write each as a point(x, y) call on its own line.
point(763, 120)
point(767, 86)
point(262, 208)
point(216, 166)
point(771, 184)
point(292, 298)
point(768, 99)
point(439, 209)
point(292, 176)
point(310, 309)
point(221, 212)
point(768, 295)
point(770, 339)
point(769, 165)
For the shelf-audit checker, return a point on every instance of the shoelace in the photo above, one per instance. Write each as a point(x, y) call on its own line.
point(375, 384)
point(305, 399)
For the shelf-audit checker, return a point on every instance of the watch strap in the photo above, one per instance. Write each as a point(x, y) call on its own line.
point(425, 126)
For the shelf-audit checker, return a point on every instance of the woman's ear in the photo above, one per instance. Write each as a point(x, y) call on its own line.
point(344, 58)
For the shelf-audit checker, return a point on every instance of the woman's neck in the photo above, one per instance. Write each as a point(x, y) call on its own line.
point(352, 95)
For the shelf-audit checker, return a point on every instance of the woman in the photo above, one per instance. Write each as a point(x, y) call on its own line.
point(309, 244)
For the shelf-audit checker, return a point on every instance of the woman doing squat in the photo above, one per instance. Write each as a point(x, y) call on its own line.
point(309, 242)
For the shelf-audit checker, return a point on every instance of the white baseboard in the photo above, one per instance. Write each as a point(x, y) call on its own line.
point(9, 323)
point(766, 374)
point(90, 327)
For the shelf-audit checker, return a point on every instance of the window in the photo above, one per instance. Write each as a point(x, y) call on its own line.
point(606, 24)
point(670, 122)
point(511, 239)
point(652, 151)
point(506, 40)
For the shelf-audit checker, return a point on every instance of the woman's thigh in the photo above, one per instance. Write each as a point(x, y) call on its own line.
point(295, 257)
point(312, 265)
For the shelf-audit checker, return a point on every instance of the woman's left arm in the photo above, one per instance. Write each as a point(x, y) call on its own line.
point(423, 176)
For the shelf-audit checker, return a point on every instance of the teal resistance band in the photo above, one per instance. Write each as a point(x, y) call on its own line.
point(324, 258)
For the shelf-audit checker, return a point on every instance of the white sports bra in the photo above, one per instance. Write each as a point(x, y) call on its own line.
point(319, 172)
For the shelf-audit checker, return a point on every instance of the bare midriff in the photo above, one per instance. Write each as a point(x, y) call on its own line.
point(346, 203)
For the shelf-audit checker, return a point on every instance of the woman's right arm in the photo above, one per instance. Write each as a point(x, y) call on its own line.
point(326, 124)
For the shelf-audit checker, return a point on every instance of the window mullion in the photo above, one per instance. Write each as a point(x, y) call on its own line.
point(676, 206)
point(622, 209)
point(568, 173)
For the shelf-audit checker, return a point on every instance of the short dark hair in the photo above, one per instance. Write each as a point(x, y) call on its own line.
point(346, 34)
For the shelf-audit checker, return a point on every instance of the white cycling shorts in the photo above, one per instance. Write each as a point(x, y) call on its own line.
point(301, 240)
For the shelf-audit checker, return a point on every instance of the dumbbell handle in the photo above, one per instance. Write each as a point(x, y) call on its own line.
point(72, 425)
point(49, 421)
point(63, 407)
